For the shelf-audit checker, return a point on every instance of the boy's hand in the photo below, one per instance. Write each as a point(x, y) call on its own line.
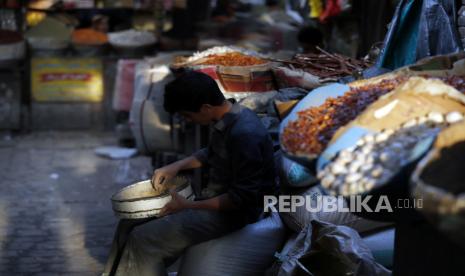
point(176, 204)
point(163, 174)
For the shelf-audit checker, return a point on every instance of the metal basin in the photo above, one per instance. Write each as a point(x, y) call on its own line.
point(140, 200)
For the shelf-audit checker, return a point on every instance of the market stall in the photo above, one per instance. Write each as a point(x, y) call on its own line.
point(342, 128)
point(367, 138)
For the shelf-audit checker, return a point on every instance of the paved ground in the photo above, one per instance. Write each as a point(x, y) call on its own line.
point(55, 212)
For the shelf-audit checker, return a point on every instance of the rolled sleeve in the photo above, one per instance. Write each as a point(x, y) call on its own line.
point(201, 155)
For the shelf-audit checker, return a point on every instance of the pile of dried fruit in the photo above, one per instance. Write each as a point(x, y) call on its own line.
point(326, 65)
point(232, 59)
point(378, 157)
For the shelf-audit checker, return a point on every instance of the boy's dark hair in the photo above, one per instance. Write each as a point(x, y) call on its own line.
point(190, 91)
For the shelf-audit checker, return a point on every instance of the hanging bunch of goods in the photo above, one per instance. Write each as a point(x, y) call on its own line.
point(236, 70)
point(314, 69)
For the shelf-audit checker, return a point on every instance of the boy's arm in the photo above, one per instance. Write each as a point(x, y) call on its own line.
point(178, 203)
point(169, 171)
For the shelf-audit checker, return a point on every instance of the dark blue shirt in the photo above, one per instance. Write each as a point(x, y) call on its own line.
point(240, 159)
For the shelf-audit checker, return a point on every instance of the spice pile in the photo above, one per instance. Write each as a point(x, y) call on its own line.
point(9, 37)
point(50, 28)
point(315, 127)
point(232, 59)
point(446, 172)
point(378, 157)
point(326, 65)
point(89, 37)
point(219, 50)
point(132, 38)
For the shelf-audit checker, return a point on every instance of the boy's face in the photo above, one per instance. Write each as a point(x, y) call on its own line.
point(202, 117)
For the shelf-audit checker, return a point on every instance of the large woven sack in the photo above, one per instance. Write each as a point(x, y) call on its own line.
point(326, 249)
point(249, 251)
point(299, 219)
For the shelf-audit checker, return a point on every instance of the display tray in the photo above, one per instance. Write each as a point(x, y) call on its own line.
point(315, 98)
point(396, 189)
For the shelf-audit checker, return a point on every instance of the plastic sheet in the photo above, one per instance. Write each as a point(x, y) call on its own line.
point(326, 249)
point(420, 29)
point(292, 174)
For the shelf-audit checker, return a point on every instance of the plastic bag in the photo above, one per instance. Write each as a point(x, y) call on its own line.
point(292, 174)
point(124, 85)
point(286, 77)
point(248, 251)
point(326, 249)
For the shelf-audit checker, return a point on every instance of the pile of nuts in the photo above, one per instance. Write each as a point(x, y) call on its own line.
point(376, 158)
